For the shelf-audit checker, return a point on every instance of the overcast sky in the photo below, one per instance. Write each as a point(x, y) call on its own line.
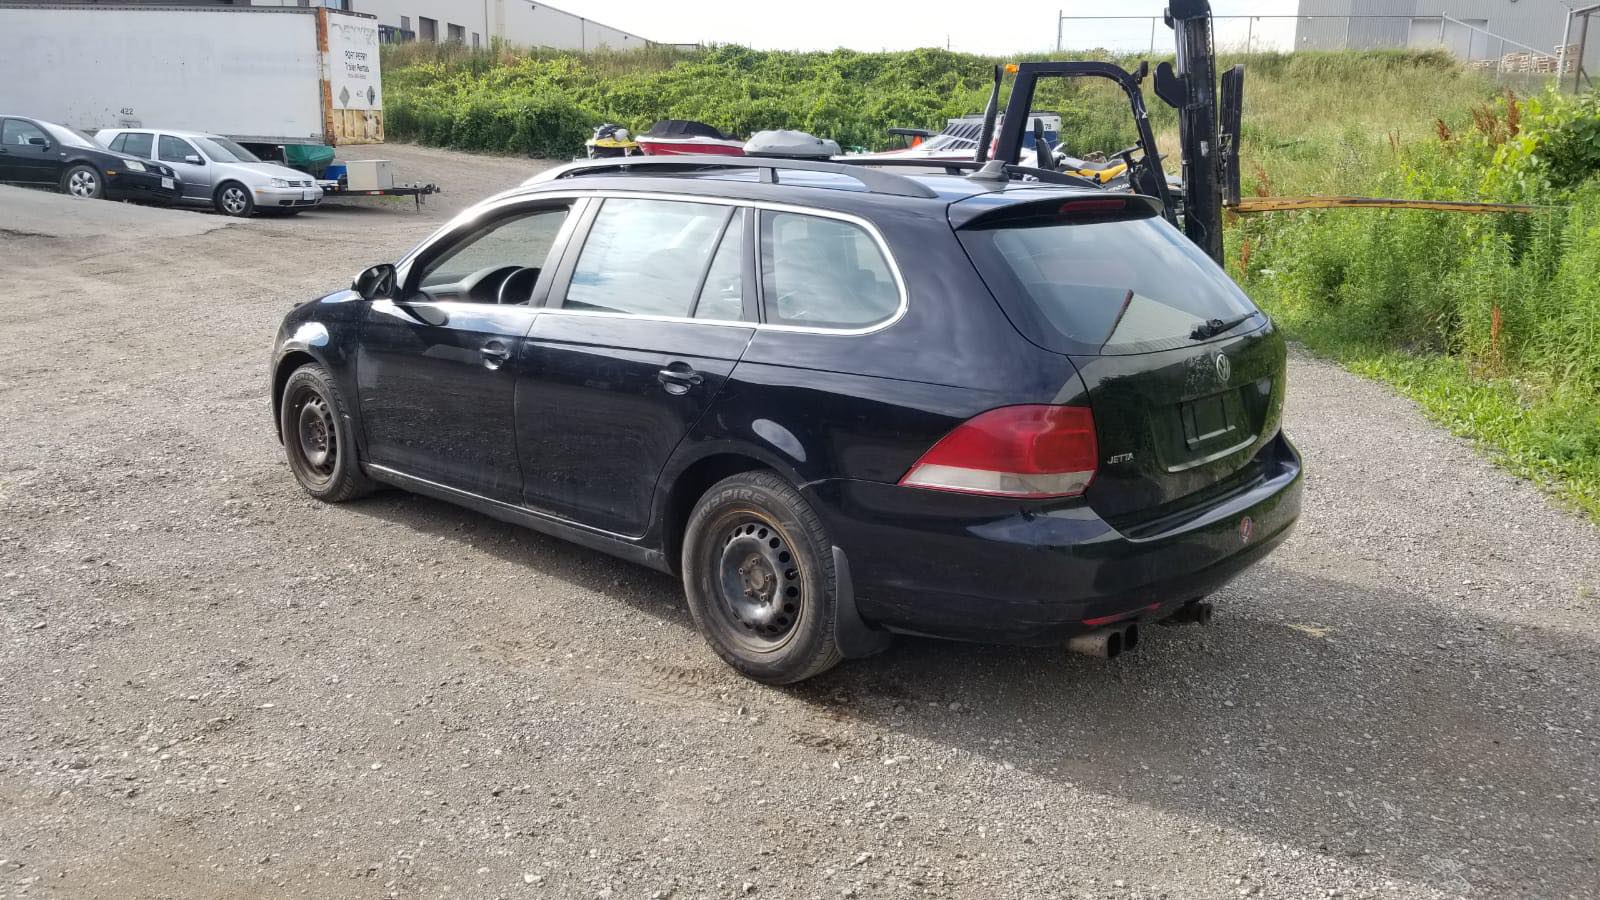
point(1007, 26)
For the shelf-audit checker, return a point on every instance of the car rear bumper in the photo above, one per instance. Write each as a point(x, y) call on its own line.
point(979, 569)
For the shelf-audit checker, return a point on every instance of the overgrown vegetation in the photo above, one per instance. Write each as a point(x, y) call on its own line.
point(1491, 322)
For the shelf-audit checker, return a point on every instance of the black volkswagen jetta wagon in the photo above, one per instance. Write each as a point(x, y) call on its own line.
point(840, 402)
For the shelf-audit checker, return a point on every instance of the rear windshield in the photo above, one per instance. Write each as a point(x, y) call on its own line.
point(1109, 286)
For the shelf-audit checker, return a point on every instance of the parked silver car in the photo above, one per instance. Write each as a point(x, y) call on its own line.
point(216, 171)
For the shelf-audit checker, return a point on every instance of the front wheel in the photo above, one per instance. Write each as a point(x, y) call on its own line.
point(758, 572)
point(84, 182)
point(317, 437)
point(233, 199)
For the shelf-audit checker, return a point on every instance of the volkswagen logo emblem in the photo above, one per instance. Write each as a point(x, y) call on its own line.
point(1247, 529)
point(1224, 368)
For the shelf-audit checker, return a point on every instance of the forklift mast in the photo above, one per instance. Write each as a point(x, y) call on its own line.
point(1191, 89)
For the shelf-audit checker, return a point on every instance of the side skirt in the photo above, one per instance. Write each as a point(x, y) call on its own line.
point(520, 515)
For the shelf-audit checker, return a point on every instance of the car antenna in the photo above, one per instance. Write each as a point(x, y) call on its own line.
point(989, 113)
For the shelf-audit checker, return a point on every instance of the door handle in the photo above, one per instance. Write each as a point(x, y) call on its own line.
point(495, 354)
point(678, 378)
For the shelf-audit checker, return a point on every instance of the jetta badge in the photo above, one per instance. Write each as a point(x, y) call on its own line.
point(1224, 368)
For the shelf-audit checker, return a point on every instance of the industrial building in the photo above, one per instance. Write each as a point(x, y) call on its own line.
point(472, 23)
point(1470, 29)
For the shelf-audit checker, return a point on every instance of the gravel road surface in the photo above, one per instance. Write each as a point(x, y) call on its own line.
point(217, 688)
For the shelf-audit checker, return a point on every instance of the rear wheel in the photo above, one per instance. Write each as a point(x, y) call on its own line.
point(233, 199)
point(84, 182)
point(317, 437)
point(758, 572)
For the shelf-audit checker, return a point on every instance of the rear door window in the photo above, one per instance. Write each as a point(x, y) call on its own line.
point(138, 144)
point(1097, 285)
point(824, 273)
point(646, 257)
point(722, 296)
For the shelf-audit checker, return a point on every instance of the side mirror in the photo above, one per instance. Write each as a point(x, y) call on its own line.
point(38, 142)
point(376, 283)
point(194, 160)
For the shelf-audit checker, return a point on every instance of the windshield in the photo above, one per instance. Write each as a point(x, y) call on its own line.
point(67, 136)
point(1107, 286)
point(222, 150)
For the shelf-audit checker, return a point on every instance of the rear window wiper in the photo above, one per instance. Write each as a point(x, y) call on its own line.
point(1218, 326)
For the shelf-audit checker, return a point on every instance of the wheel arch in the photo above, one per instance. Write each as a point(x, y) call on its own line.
point(286, 366)
point(683, 490)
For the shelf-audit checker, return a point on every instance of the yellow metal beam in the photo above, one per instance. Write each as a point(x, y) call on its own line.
point(1281, 204)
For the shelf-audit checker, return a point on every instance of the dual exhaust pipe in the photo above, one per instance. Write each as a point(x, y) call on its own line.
point(1114, 640)
point(1106, 643)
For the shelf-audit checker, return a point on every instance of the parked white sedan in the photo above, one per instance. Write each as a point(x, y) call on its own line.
point(218, 172)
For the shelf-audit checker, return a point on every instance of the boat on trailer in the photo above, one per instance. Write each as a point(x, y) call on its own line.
point(672, 137)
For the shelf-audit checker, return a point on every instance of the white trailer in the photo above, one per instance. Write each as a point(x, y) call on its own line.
point(260, 75)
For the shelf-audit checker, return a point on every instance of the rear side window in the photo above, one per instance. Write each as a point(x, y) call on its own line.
point(646, 257)
point(1100, 285)
point(824, 273)
point(137, 144)
point(118, 141)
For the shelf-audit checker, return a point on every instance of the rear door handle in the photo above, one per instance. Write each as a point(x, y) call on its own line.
point(495, 354)
point(678, 378)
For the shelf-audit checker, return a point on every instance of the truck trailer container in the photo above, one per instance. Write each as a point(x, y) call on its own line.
point(276, 79)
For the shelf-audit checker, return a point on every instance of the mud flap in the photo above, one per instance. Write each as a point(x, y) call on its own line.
point(856, 639)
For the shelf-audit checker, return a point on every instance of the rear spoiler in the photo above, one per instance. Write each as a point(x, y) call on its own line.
point(1036, 206)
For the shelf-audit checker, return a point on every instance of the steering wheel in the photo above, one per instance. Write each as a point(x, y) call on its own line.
point(517, 288)
point(481, 286)
point(1127, 155)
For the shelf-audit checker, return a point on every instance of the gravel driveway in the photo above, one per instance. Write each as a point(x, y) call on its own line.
point(216, 688)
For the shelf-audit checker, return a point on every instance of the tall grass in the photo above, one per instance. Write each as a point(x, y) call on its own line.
point(1492, 322)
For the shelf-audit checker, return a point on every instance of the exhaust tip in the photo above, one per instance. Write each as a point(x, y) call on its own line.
point(1130, 637)
point(1113, 645)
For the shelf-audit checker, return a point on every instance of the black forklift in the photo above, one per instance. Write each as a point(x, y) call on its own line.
point(1208, 123)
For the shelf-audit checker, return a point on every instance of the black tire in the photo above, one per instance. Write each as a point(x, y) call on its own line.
point(758, 572)
point(84, 181)
point(233, 199)
point(317, 437)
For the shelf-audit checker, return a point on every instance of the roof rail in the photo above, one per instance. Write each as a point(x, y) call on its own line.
point(769, 167)
point(956, 166)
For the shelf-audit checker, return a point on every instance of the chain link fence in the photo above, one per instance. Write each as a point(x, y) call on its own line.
point(1494, 55)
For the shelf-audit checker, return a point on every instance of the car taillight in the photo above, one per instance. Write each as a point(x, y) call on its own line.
point(1014, 451)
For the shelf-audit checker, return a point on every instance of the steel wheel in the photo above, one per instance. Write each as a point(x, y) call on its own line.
point(234, 200)
point(83, 182)
point(314, 447)
point(759, 582)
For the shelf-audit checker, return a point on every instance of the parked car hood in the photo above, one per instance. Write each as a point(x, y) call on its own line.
point(273, 170)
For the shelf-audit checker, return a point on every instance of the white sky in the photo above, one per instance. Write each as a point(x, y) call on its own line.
point(1006, 26)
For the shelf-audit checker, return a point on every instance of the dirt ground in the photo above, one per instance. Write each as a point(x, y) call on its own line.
point(216, 688)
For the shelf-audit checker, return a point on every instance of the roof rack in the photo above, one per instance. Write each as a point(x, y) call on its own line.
point(874, 181)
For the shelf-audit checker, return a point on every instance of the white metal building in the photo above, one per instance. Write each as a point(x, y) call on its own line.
point(475, 22)
point(1471, 29)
